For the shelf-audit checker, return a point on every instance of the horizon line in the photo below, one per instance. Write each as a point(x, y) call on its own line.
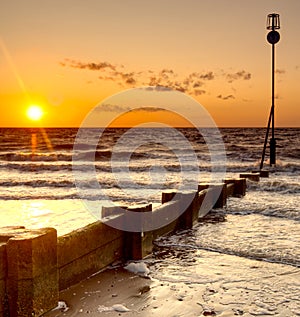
point(144, 127)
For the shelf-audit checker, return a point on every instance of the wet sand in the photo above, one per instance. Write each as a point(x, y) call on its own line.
point(198, 283)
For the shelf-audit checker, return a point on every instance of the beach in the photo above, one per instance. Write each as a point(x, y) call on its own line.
point(187, 282)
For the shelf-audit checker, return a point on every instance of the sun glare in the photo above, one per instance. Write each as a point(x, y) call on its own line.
point(34, 113)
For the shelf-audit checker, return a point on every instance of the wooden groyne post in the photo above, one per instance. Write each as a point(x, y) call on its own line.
point(28, 271)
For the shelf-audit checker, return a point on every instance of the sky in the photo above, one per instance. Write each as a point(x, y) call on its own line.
point(70, 56)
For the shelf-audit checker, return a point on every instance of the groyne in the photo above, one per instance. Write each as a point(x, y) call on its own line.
point(36, 264)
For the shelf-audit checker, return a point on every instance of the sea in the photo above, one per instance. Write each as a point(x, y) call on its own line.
point(39, 188)
point(39, 184)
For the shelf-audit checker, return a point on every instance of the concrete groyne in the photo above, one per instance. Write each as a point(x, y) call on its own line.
point(36, 264)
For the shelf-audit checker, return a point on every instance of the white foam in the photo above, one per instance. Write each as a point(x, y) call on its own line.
point(62, 306)
point(120, 308)
point(117, 307)
point(138, 268)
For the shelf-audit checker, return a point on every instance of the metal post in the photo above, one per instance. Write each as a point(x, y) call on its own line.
point(266, 141)
point(273, 140)
point(273, 37)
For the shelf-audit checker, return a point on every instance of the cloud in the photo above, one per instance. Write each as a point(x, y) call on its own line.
point(105, 107)
point(166, 73)
point(197, 84)
point(129, 78)
point(106, 78)
point(242, 74)
point(199, 92)
point(208, 76)
point(90, 66)
point(194, 83)
point(154, 81)
point(126, 78)
point(148, 109)
point(226, 97)
point(165, 79)
point(112, 71)
point(157, 88)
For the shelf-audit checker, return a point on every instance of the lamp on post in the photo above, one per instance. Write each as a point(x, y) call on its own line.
point(273, 37)
point(273, 21)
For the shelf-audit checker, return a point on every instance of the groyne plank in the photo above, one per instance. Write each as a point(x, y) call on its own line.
point(252, 176)
point(86, 251)
point(90, 263)
point(83, 241)
point(262, 173)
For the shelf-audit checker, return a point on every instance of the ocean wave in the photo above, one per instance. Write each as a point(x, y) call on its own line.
point(265, 240)
point(36, 167)
point(248, 165)
point(124, 200)
point(250, 254)
point(277, 212)
point(64, 162)
point(38, 183)
point(35, 157)
point(92, 155)
point(276, 186)
point(39, 196)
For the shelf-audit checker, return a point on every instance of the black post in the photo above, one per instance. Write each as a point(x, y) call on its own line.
point(273, 37)
point(273, 140)
point(266, 141)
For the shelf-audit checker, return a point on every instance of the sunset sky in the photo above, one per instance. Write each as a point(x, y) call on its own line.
point(69, 56)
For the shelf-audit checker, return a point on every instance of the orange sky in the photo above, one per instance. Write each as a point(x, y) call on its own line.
point(71, 56)
point(140, 117)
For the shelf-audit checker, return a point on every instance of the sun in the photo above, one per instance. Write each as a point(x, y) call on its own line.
point(35, 112)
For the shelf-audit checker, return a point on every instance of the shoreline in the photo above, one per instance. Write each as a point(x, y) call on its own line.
point(246, 287)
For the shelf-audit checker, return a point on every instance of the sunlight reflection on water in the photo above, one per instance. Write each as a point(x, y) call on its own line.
point(64, 215)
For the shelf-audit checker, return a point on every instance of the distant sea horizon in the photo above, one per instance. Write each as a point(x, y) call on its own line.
point(144, 127)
